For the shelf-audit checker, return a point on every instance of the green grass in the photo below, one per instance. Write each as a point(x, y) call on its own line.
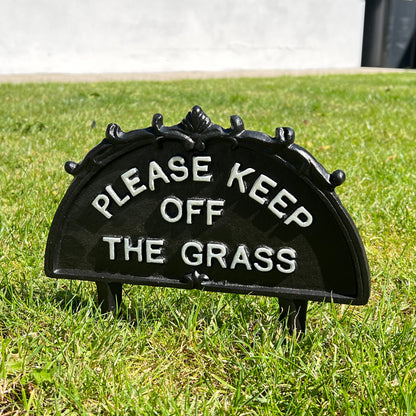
point(193, 353)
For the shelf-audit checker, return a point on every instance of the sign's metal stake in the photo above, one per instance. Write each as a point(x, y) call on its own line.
point(293, 312)
point(109, 296)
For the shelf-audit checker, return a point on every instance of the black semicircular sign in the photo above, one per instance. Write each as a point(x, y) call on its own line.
point(198, 206)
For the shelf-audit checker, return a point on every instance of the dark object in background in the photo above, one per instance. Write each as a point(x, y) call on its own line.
point(389, 34)
point(197, 206)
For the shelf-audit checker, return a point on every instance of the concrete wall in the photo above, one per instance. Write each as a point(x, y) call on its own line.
point(107, 36)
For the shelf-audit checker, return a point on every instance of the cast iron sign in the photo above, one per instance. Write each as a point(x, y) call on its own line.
point(198, 206)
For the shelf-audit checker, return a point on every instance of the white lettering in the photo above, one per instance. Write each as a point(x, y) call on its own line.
point(286, 256)
point(258, 187)
point(178, 205)
point(190, 204)
point(241, 257)
point(128, 247)
point(111, 245)
point(259, 255)
point(154, 251)
point(216, 251)
point(278, 199)
point(198, 167)
point(211, 211)
point(102, 207)
point(120, 202)
point(130, 181)
point(235, 174)
point(211, 254)
point(156, 172)
point(197, 257)
point(296, 217)
point(177, 164)
point(173, 209)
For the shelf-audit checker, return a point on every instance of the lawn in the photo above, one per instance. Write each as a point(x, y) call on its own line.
point(176, 352)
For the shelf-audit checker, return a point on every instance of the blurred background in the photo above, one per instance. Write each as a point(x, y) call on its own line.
point(139, 36)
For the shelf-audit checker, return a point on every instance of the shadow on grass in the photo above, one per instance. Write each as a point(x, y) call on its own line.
point(66, 300)
point(199, 310)
point(252, 317)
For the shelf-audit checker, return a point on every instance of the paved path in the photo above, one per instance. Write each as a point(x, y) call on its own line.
point(169, 76)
